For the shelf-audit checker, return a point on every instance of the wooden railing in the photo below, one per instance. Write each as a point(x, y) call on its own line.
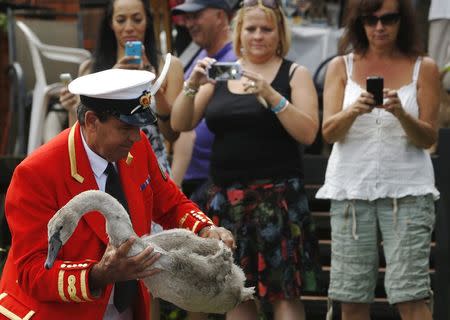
point(316, 305)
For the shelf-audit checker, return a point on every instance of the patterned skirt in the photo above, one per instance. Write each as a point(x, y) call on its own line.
point(274, 233)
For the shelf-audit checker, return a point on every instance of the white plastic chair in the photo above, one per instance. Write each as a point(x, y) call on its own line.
point(42, 90)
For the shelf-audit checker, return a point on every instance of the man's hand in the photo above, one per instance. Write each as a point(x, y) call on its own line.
point(116, 266)
point(218, 233)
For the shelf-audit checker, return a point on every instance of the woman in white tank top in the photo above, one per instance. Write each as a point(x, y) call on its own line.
point(379, 173)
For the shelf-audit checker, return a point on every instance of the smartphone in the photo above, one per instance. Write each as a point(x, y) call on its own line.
point(65, 78)
point(134, 48)
point(375, 85)
point(223, 71)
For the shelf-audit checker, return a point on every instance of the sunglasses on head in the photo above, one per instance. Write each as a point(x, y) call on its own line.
point(386, 19)
point(273, 4)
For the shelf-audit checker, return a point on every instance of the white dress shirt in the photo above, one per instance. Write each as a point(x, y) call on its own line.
point(98, 166)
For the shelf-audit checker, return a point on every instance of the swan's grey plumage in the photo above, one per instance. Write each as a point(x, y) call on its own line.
point(197, 274)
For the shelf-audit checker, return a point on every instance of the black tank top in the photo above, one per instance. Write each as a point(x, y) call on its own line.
point(250, 143)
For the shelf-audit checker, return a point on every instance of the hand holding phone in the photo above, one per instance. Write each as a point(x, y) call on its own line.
point(223, 71)
point(134, 49)
point(65, 78)
point(375, 85)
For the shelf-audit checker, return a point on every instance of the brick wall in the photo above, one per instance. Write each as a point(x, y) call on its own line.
point(69, 6)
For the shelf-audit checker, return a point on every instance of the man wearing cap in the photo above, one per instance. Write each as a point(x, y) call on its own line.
point(208, 22)
point(87, 272)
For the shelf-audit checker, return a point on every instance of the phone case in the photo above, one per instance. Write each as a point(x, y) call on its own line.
point(134, 48)
point(375, 86)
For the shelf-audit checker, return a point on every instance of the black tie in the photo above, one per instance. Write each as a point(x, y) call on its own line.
point(124, 291)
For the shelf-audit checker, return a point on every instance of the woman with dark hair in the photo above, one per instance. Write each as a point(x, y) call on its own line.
point(109, 39)
point(407, 41)
point(131, 20)
point(379, 172)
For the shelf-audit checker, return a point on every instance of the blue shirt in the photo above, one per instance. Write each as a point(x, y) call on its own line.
point(199, 165)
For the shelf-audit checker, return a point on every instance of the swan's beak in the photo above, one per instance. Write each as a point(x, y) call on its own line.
point(54, 244)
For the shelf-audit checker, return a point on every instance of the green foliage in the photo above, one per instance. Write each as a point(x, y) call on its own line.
point(3, 19)
point(446, 68)
point(3, 22)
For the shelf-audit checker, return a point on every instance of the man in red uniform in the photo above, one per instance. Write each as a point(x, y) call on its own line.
point(80, 285)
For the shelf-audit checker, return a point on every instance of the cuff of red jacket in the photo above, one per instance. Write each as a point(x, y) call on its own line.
point(73, 280)
point(195, 221)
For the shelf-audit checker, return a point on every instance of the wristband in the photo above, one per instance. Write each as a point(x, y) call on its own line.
point(188, 91)
point(280, 106)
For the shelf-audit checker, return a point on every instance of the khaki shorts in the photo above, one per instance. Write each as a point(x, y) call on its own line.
point(406, 225)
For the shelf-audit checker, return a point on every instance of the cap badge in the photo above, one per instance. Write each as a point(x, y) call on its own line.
point(145, 100)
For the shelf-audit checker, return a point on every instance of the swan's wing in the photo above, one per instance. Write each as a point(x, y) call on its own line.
point(182, 239)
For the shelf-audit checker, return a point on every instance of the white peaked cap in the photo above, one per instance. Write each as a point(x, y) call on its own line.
point(120, 92)
point(120, 84)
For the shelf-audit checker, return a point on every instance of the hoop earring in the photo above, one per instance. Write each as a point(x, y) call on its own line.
point(278, 52)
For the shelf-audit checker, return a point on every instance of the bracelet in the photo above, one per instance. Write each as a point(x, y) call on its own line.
point(163, 117)
point(280, 106)
point(284, 108)
point(188, 91)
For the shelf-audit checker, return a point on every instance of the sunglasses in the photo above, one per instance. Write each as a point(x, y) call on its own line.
point(388, 19)
point(272, 4)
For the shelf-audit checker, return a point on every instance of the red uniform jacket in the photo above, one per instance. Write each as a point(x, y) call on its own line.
point(42, 184)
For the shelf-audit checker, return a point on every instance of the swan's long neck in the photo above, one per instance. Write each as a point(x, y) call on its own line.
point(118, 224)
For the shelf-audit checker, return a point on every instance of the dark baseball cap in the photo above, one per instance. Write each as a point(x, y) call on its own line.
point(196, 5)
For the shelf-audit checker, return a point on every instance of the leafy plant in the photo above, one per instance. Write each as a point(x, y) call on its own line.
point(3, 22)
point(3, 19)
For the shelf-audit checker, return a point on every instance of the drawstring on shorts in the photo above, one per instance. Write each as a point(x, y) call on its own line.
point(329, 315)
point(430, 302)
point(395, 215)
point(352, 204)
